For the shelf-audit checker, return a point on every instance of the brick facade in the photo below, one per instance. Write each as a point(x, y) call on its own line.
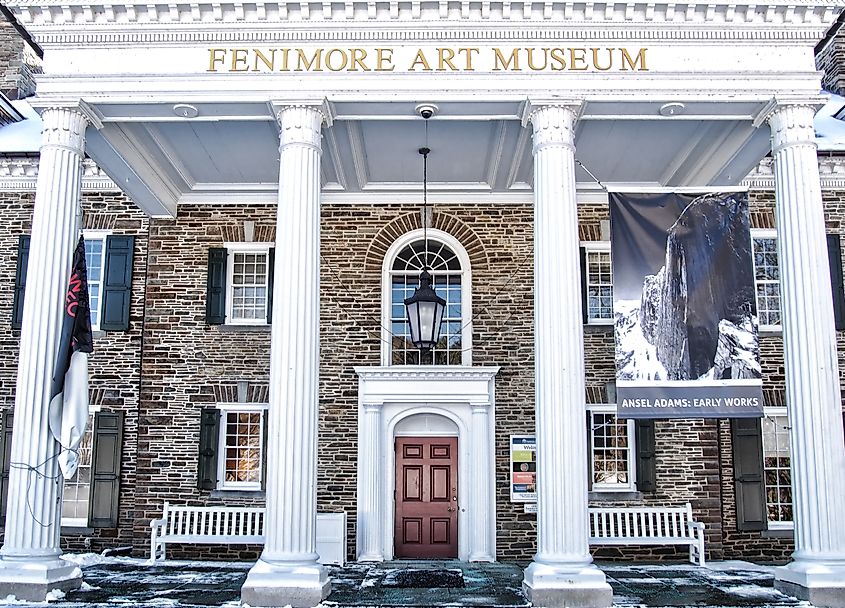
point(171, 364)
point(114, 367)
point(18, 63)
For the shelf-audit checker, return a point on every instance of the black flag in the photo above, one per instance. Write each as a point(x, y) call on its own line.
point(69, 394)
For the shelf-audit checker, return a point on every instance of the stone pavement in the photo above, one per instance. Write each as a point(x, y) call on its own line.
point(113, 582)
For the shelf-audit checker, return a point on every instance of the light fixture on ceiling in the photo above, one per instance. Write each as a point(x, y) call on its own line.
point(425, 308)
point(184, 110)
point(672, 109)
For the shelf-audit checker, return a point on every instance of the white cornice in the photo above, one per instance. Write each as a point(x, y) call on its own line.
point(21, 175)
point(831, 174)
point(83, 21)
point(438, 383)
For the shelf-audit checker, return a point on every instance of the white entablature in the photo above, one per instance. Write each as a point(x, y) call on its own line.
point(72, 15)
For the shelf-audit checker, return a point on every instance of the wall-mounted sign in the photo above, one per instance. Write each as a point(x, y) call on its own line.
point(685, 307)
point(523, 468)
point(406, 59)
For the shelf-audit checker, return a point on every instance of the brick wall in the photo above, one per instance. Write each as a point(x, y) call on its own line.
point(19, 63)
point(113, 367)
point(831, 61)
point(188, 365)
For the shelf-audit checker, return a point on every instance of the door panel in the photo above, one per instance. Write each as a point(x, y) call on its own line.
point(426, 518)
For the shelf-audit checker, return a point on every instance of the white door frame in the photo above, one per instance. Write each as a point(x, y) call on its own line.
point(463, 395)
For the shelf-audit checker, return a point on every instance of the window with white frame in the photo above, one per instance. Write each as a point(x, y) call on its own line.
point(76, 493)
point(766, 278)
point(247, 291)
point(598, 282)
point(240, 464)
point(450, 279)
point(95, 264)
point(776, 467)
point(612, 457)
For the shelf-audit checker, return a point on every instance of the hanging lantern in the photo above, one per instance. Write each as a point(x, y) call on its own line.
point(425, 313)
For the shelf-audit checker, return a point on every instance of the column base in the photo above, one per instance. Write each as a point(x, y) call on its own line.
point(296, 584)
point(32, 580)
point(822, 583)
point(569, 586)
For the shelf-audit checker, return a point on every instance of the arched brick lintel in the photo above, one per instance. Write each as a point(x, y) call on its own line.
point(411, 221)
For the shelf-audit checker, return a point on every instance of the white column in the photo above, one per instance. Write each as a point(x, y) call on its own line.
point(481, 488)
point(817, 572)
point(562, 573)
point(370, 518)
point(29, 560)
point(288, 572)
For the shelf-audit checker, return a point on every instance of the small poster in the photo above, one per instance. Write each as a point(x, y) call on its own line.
point(523, 468)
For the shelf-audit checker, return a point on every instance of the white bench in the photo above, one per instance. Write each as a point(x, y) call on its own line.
point(236, 525)
point(648, 526)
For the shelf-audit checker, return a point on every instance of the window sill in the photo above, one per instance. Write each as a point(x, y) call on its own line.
point(236, 329)
point(612, 496)
point(778, 533)
point(598, 328)
point(238, 494)
point(84, 530)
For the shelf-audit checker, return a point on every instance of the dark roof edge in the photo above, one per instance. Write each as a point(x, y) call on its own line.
point(10, 17)
point(831, 33)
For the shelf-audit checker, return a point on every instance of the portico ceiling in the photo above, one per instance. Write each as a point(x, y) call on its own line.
point(480, 149)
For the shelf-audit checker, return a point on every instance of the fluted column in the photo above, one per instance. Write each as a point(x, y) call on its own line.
point(288, 572)
point(817, 572)
point(481, 490)
point(370, 517)
point(29, 560)
point(562, 573)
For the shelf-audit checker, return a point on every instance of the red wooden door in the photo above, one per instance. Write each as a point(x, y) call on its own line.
point(426, 521)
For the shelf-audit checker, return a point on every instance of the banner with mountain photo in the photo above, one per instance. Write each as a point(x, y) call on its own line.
point(684, 306)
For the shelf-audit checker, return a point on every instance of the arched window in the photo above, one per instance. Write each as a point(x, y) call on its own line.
point(449, 267)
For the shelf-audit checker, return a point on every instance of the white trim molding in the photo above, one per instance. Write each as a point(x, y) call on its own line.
point(831, 174)
point(465, 396)
point(61, 22)
point(20, 175)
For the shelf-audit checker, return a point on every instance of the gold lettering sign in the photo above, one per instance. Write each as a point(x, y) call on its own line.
point(433, 59)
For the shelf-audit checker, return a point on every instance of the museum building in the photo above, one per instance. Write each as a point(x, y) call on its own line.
point(256, 209)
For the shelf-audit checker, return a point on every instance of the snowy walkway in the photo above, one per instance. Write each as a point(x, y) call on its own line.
point(118, 582)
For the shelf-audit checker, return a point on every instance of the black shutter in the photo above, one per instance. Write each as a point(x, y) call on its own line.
point(215, 293)
point(645, 445)
point(20, 281)
point(6, 455)
point(271, 268)
point(834, 254)
point(117, 283)
point(747, 439)
point(264, 436)
point(585, 311)
point(589, 451)
point(209, 436)
point(105, 470)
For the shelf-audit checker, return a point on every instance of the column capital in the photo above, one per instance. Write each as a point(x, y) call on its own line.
point(64, 127)
point(553, 122)
point(779, 103)
point(300, 123)
point(322, 106)
point(792, 125)
point(92, 116)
